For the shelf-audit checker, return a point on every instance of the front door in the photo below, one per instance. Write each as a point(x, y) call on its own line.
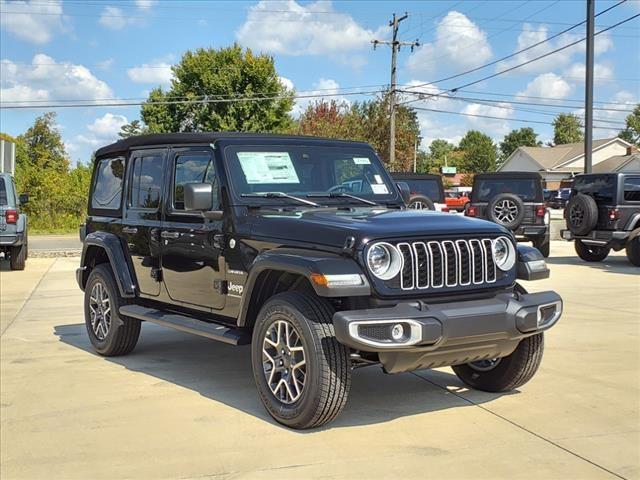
point(142, 218)
point(192, 263)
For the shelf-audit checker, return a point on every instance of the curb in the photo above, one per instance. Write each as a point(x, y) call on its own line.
point(54, 253)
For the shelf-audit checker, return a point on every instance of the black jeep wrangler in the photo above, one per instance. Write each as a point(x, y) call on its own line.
point(244, 239)
point(603, 214)
point(426, 190)
point(515, 201)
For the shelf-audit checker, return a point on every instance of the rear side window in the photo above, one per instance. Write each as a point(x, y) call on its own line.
point(526, 188)
point(3, 193)
point(191, 168)
point(602, 188)
point(107, 191)
point(632, 189)
point(146, 182)
point(427, 187)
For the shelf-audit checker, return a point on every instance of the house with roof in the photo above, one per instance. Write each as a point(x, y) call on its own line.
point(561, 162)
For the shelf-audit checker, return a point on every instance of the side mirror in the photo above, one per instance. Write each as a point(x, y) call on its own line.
point(198, 197)
point(24, 198)
point(405, 191)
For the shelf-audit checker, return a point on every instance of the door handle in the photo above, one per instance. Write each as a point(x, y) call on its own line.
point(129, 230)
point(167, 234)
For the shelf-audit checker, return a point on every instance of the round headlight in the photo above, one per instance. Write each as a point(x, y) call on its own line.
point(504, 254)
point(384, 261)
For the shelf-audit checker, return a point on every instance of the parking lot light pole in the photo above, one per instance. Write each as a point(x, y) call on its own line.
point(588, 94)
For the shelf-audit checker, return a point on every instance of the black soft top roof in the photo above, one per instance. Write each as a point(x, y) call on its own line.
point(186, 138)
point(414, 176)
point(500, 175)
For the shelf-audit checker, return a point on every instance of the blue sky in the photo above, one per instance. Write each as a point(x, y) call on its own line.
point(55, 51)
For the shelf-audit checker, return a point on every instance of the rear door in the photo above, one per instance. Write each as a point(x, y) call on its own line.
point(193, 267)
point(602, 188)
point(630, 203)
point(142, 218)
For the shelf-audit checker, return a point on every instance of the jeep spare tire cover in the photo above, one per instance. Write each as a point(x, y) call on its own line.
point(507, 210)
point(581, 214)
point(420, 202)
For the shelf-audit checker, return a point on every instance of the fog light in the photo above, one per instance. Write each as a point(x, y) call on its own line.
point(397, 332)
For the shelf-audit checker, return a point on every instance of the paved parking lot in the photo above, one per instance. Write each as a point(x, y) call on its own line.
point(185, 407)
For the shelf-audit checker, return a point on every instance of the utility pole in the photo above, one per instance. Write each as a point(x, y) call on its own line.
point(395, 48)
point(415, 156)
point(588, 94)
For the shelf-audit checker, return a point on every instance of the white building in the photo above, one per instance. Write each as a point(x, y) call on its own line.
point(557, 163)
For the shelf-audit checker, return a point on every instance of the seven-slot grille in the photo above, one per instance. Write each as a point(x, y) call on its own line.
point(446, 263)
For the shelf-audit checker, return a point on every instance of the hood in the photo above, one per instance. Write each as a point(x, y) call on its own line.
point(331, 226)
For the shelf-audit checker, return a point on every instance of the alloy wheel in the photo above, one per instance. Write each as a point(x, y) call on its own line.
point(576, 215)
point(284, 361)
point(418, 205)
point(505, 211)
point(100, 311)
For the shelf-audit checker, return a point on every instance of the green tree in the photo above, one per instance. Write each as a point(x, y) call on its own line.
point(227, 73)
point(441, 152)
point(523, 137)
point(631, 133)
point(480, 152)
point(42, 145)
point(567, 128)
point(131, 129)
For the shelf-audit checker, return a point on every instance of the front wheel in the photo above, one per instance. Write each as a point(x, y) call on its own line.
point(591, 253)
point(507, 373)
point(301, 371)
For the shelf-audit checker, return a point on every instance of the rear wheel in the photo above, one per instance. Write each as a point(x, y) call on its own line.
point(420, 202)
point(110, 333)
point(544, 245)
point(18, 257)
point(633, 251)
point(302, 372)
point(507, 373)
point(591, 253)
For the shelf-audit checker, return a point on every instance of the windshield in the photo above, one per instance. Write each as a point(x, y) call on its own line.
point(308, 171)
point(526, 188)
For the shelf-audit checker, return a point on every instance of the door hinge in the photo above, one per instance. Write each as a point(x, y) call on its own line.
point(218, 241)
point(221, 286)
point(156, 274)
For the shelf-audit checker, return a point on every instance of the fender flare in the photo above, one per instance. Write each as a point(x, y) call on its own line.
point(530, 264)
point(304, 263)
point(110, 243)
point(634, 221)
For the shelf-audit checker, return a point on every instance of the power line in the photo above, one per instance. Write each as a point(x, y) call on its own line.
point(512, 95)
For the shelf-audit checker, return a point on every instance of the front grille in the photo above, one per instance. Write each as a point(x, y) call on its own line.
point(446, 263)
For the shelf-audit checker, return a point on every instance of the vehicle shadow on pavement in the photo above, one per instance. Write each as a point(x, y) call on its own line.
point(223, 373)
point(613, 264)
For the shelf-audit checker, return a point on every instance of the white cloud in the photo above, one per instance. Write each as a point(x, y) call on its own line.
point(532, 35)
point(288, 28)
point(286, 83)
point(34, 22)
point(494, 127)
point(547, 85)
point(602, 72)
point(102, 130)
point(145, 4)
point(46, 79)
point(458, 42)
point(105, 64)
point(114, 18)
point(157, 73)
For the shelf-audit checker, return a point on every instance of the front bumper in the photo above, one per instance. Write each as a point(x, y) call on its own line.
point(602, 238)
point(447, 333)
point(531, 230)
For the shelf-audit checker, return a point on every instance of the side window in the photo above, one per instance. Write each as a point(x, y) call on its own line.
point(632, 189)
point(146, 182)
point(192, 168)
point(107, 191)
point(4, 199)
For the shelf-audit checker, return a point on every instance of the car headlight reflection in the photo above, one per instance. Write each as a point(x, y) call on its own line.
point(504, 253)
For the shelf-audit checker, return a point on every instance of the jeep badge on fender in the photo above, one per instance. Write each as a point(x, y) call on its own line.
point(328, 270)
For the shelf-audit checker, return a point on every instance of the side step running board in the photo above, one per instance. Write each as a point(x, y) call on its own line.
point(187, 324)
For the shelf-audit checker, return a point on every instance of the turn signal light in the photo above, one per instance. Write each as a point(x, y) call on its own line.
point(614, 214)
point(472, 211)
point(11, 216)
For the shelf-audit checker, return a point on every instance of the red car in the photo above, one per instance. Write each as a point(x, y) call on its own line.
point(456, 200)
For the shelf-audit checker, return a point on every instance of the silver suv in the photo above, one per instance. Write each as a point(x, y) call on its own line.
point(13, 223)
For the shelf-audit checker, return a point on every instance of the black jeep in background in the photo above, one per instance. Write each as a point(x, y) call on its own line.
point(515, 201)
point(426, 190)
point(251, 239)
point(603, 214)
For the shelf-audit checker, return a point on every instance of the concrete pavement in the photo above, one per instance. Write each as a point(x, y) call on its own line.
point(185, 407)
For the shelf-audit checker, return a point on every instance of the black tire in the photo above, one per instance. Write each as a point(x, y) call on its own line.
point(633, 251)
point(327, 376)
point(123, 332)
point(18, 257)
point(543, 244)
point(420, 202)
point(509, 205)
point(591, 253)
point(510, 372)
point(581, 214)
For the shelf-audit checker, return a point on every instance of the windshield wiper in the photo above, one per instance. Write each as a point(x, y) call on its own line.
point(343, 195)
point(280, 195)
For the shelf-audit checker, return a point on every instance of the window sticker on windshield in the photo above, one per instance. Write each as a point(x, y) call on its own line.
point(379, 189)
point(378, 178)
point(361, 161)
point(267, 167)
